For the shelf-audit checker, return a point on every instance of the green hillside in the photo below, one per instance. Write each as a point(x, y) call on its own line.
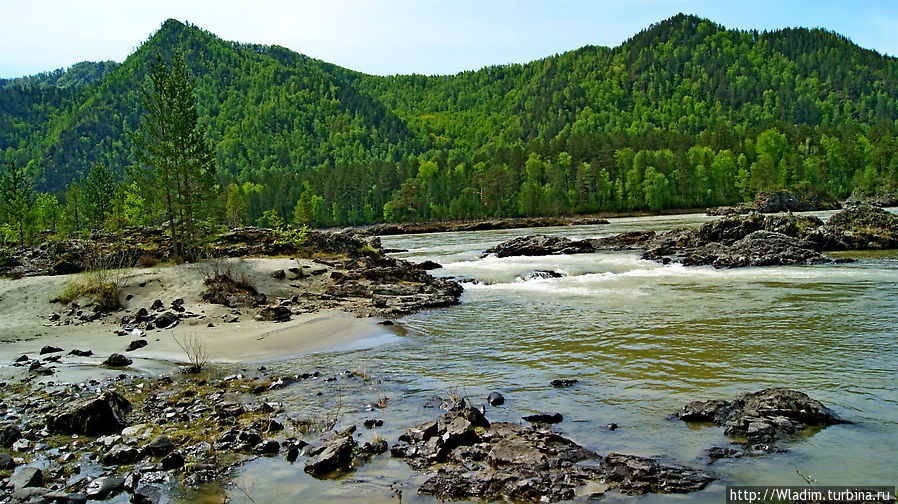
point(686, 113)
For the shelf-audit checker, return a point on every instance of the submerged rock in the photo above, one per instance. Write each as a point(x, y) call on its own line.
point(332, 455)
point(476, 459)
point(763, 416)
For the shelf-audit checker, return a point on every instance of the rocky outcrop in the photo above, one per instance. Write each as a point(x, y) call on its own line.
point(860, 227)
point(763, 416)
point(540, 245)
point(779, 201)
point(101, 414)
point(475, 458)
point(332, 455)
point(515, 223)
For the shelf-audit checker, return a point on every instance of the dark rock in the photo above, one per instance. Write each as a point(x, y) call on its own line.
point(97, 415)
point(143, 315)
point(612, 426)
point(275, 314)
point(231, 408)
point(720, 452)
point(495, 399)
point(147, 494)
point(81, 353)
point(9, 435)
point(120, 454)
point(634, 475)
point(6, 462)
point(563, 382)
point(278, 274)
point(22, 358)
point(541, 274)
point(540, 245)
point(166, 320)
point(157, 305)
point(428, 265)
point(26, 477)
point(335, 454)
point(545, 418)
point(136, 345)
point(173, 460)
point(117, 360)
point(50, 349)
point(780, 201)
point(270, 447)
point(159, 447)
point(65, 498)
point(104, 487)
point(762, 416)
point(860, 227)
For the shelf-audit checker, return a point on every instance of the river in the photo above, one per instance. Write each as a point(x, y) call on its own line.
point(642, 339)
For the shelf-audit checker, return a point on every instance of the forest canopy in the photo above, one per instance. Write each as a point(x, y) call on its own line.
point(684, 114)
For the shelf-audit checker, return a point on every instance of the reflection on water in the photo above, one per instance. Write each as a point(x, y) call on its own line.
point(643, 339)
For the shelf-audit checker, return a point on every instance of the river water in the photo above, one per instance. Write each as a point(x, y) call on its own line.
point(642, 339)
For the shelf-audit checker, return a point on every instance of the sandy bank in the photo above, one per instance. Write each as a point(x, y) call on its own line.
point(26, 311)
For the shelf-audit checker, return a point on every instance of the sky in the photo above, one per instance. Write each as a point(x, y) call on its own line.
point(387, 37)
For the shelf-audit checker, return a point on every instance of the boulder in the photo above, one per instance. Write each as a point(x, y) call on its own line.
point(428, 265)
point(540, 245)
point(763, 416)
point(120, 454)
point(634, 475)
point(166, 320)
point(136, 345)
point(332, 455)
point(26, 477)
point(159, 447)
point(541, 275)
point(101, 488)
point(545, 418)
point(117, 360)
point(9, 434)
point(495, 399)
point(564, 382)
point(93, 416)
point(6, 462)
point(48, 349)
point(274, 314)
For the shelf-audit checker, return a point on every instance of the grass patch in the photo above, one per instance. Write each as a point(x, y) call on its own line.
point(101, 284)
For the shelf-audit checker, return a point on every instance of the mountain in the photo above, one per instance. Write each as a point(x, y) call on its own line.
point(680, 92)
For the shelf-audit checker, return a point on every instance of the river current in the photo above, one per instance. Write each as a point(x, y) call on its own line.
point(643, 339)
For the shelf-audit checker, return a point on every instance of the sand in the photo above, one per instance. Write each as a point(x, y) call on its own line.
point(25, 327)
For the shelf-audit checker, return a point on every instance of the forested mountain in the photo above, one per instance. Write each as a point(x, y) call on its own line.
point(686, 113)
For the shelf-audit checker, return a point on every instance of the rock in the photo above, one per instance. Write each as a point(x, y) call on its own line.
point(269, 447)
point(93, 416)
point(120, 454)
point(541, 275)
point(428, 265)
point(780, 201)
point(166, 320)
point(278, 274)
point(612, 426)
point(545, 418)
point(9, 435)
point(230, 408)
point(117, 360)
point(335, 454)
point(371, 423)
point(136, 344)
point(147, 494)
point(159, 446)
point(760, 248)
point(634, 475)
point(563, 382)
point(275, 314)
point(540, 245)
point(50, 349)
point(763, 416)
point(495, 399)
point(173, 460)
point(22, 358)
point(81, 353)
point(178, 305)
point(860, 227)
point(65, 498)
point(6, 462)
point(26, 477)
point(30, 494)
point(157, 305)
point(104, 487)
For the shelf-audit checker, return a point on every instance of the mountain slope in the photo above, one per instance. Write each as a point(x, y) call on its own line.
point(281, 119)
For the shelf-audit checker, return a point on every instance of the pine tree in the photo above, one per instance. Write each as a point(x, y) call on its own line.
point(15, 190)
point(176, 163)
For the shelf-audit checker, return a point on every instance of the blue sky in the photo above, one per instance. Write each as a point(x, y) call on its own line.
point(402, 36)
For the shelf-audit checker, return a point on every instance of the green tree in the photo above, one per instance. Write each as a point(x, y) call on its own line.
point(235, 206)
point(407, 202)
point(47, 211)
point(15, 191)
point(98, 191)
point(176, 163)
